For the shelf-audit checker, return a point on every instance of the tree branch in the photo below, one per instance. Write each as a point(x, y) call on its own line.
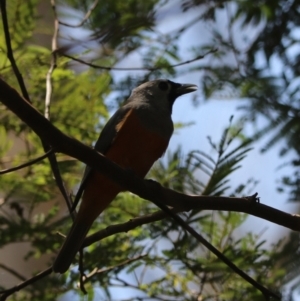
point(199, 57)
point(87, 15)
point(183, 203)
point(7, 293)
point(53, 63)
point(97, 271)
point(12, 271)
point(8, 170)
point(10, 53)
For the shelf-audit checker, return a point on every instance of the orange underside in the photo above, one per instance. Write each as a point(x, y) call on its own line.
point(135, 148)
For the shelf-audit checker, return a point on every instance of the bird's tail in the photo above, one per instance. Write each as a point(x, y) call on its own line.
point(71, 246)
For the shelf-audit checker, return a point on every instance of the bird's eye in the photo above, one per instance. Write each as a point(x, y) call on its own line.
point(163, 86)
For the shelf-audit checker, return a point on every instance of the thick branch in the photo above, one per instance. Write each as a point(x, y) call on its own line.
point(244, 205)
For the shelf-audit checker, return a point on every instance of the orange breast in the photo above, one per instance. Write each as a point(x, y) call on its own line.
point(134, 148)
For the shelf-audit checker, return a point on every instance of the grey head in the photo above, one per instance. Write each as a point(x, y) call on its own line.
point(160, 93)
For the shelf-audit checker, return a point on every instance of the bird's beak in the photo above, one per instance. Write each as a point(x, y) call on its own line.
point(185, 88)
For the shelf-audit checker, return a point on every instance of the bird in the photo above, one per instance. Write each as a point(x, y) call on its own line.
point(134, 138)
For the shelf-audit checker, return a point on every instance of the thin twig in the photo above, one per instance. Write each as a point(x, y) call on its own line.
point(97, 271)
point(81, 271)
point(12, 271)
point(10, 53)
point(230, 37)
point(53, 63)
point(8, 292)
point(58, 178)
point(199, 57)
point(87, 15)
point(8, 170)
point(126, 227)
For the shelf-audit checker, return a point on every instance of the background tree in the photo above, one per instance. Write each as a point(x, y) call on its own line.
point(157, 261)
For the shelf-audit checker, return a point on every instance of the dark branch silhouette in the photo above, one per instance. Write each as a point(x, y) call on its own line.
point(86, 17)
point(31, 162)
point(12, 271)
point(199, 57)
point(97, 271)
point(53, 63)
point(8, 292)
point(10, 53)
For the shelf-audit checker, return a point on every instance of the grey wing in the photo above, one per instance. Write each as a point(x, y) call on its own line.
point(104, 141)
point(108, 133)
